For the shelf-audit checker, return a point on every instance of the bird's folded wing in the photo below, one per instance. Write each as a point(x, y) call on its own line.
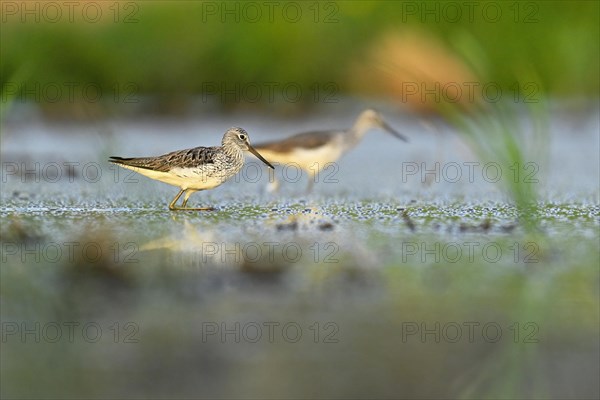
point(178, 159)
point(308, 140)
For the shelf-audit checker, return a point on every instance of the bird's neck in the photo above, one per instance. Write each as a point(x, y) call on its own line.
point(358, 130)
point(232, 150)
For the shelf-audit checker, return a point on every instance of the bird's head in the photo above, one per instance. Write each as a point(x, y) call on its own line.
point(372, 119)
point(238, 138)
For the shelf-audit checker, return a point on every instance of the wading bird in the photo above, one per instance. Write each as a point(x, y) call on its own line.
point(193, 170)
point(314, 151)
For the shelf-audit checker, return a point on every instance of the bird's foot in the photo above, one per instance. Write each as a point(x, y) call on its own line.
point(192, 209)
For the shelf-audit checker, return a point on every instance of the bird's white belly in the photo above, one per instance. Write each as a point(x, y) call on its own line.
point(311, 160)
point(187, 178)
point(200, 178)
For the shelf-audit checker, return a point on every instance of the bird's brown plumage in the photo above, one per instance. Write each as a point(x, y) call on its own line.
point(188, 158)
point(307, 140)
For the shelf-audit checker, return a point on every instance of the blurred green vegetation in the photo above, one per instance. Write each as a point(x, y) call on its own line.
point(177, 48)
point(510, 136)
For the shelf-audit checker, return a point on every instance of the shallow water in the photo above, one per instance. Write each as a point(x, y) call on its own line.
point(382, 282)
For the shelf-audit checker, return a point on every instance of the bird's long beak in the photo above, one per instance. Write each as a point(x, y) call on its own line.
point(389, 129)
point(261, 158)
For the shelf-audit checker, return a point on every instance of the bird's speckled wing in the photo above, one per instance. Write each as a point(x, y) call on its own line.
point(189, 158)
point(308, 140)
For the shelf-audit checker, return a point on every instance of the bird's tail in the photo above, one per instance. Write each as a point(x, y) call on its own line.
point(140, 162)
point(121, 160)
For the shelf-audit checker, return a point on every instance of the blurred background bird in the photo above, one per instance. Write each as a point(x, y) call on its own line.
point(317, 150)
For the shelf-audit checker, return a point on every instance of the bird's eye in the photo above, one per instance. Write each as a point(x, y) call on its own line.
point(242, 137)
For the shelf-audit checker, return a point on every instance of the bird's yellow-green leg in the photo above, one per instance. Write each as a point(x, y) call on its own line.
point(188, 193)
point(311, 181)
point(273, 185)
point(172, 205)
